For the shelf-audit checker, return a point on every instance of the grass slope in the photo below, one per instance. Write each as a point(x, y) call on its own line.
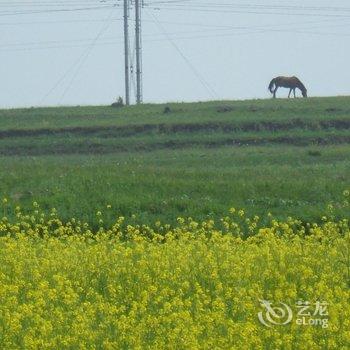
point(289, 157)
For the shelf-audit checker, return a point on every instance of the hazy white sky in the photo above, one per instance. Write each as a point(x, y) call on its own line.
point(192, 50)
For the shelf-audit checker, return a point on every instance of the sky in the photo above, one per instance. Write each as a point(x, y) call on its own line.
point(71, 52)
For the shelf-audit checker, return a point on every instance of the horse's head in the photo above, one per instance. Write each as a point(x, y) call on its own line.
point(304, 92)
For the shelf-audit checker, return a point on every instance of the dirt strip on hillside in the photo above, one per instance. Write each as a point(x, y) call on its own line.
point(99, 149)
point(133, 130)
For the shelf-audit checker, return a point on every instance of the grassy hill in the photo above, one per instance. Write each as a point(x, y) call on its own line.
point(287, 157)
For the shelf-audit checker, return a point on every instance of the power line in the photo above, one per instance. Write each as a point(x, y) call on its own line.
point(203, 4)
point(43, 45)
point(87, 53)
point(254, 10)
point(194, 70)
point(78, 63)
point(15, 13)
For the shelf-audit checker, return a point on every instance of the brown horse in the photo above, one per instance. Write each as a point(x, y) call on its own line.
point(287, 82)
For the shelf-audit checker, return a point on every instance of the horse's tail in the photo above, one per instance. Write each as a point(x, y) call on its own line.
point(271, 85)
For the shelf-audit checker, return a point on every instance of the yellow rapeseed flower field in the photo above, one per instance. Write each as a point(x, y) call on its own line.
point(201, 285)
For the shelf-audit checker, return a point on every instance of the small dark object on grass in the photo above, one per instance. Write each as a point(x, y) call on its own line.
point(167, 110)
point(333, 109)
point(224, 109)
point(119, 103)
point(314, 153)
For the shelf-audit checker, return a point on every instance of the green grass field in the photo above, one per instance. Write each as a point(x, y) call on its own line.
point(287, 157)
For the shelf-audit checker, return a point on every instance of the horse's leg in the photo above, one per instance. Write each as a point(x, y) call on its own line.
point(274, 92)
point(294, 92)
point(290, 91)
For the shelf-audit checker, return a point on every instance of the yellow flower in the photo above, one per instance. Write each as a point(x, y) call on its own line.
point(65, 285)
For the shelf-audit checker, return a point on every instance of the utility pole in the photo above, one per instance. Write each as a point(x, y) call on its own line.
point(126, 49)
point(138, 51)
